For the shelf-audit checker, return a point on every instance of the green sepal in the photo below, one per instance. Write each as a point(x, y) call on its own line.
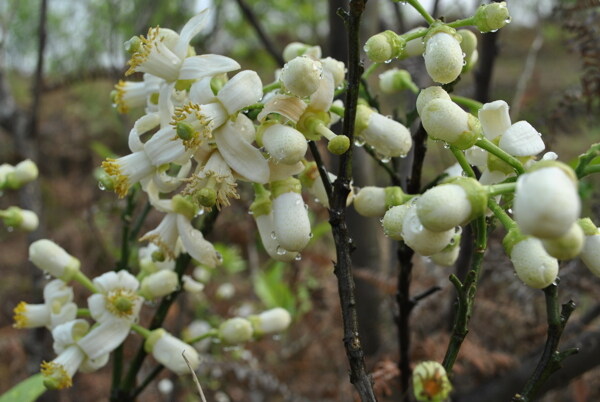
point(288, 185)
point(468, 138)
point(513, 237)
point(153, 338)
point(395, 196)
point(547, 163)
point(589, 229)
point(262, 202)
point(476, 194)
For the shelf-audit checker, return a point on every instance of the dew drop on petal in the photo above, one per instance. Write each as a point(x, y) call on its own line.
point(298, 257)
point(273, 235)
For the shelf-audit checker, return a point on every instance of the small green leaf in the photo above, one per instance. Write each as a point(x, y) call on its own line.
point(27, 390)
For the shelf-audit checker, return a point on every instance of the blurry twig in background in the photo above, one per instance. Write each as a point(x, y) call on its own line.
point(525, 77)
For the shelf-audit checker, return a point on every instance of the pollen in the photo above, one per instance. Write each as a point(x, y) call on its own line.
point(144, 48)
point(20, 316)
point(198, 127)
point(56, 376)
point(112, 168)
point(121, 302)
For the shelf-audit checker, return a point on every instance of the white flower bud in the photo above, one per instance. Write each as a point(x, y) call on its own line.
point(384, 46)
point(443, 57)
point(159, 284)
point(284, 143)
point(225, 291)
point(448, 256)
point(430, 382)
point(190, 285)
point(392, 221)
point(532, 263)
point(301, 76)
point(388, 137)
point(414, 47)
point(445, 120)
point(295, 49)
point(446, 206)
point(491, 17)
point(26, 171)
point(590, 255)
point(271, 321)
point(468, 44)
point(396, 80)
point(50, 257)
point(428, 94)
point(20, 219)
point(546, 202)
point(370, 201)
point(236, 330)
point(421, 239)
point(336, 68)
point(169, 351)
point(567, 246)
point(290, 218)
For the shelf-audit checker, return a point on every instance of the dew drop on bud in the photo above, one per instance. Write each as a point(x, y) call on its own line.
point(280, 250)
point(310, 235)
point(101, 186)
point(273, 235)
point(298, 257)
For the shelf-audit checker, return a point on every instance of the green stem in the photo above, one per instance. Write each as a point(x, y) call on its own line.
point(125, 239)
point(414, 35)
point(213, 333)
point(503, 188)
point(141, 330)
point(417, 6)
point(271, 87)
point(85, 281)
point(83, 312)
point(370, 70)
point(501, 214)
point(589, 170)
point(495, 150)
point(462, 23)
point(137, 226)
point(337, 110)
point(472, 104)
point(462, 161)
point(466, 294)
point(587, 158)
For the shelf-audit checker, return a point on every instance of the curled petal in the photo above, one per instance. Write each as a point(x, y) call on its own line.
point(521, 139)
point(494, 118)
point(104, 338)
point(243, 90)
point(207, 65)
point(194, 243)
point(189, 30)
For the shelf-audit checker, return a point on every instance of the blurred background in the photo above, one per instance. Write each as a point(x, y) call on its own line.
point(59, 60)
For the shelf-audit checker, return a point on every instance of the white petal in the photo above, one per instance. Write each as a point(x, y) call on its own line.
point(323, 97)
point(107, 282)
point(163, 205)
point(67, 313)
point(163, 148)
point(494, 118)
point(104, 338)
point(194, 243)
point(521, 139)
point(280, 171)
point(90, 365)
point(244, 89)
point(142, 126)
point(189, 30)
point(207, 65)
point(491, 177)
point(66, 334)
point(245, 159)
point(165, 105)
point(291, 222)
point(266, 228)
point(127, 281)
point(201, 93)
point(169, 351)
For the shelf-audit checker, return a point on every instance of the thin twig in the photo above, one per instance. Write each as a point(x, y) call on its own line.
point(266, 41)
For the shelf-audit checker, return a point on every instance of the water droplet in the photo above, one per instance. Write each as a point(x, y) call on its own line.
point(276, 337)
point(280, 250)
point(306, 206)
point(446, 146)
point(310, 235)
point(508, 20)
point(388, 61)
point(458, 230)
point(250, 212)
point(47, 275)
point(101, 186)
point(359, 141)
point(298, 201)
point(509, 210)
point(494, 30)
point(200, 212)
point(273, 235)
point(464, 63)
point(385, 159)
point(298, 257)
point(219, 257)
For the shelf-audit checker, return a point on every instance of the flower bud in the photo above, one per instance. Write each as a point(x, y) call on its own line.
point(533, 265)
point(448, 256)
point(468, 44)
point(428, 94)
point(491, 17)
point(295, 49)
point(271, 321)
point(396, 80)
point(546, 202)
point(446, 206)
point(443, 57)
point(430, 382)
point(384, 46)
point(159, 284)
point(445, 120)
point(50, 257)
point(388, 137)
point(567, 246)
point(590, 254)
point(26, 171)
point(169, 351)
point(414, 47)
point(290, 217)
point(284, 143)
point(373, 201)
point(236, 330)
point(20, 219)
point(392, 221)
point(301, 76)
point(421, 239)
point(336, 68)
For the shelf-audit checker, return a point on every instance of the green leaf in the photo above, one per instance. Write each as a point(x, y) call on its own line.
point(270, 287)
point(27, 390)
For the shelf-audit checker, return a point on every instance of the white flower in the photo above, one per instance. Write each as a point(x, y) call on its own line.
point(163, 53)
point(169, 351)
point(445, 120)
point(444, 58)
point(58, 308)
point(393, 220)
point(546, 202)
point(235, 330)
point(271, 321)
point(115, 308)
point(191, 286)
point(370, 201)
point(159, 284)
point(590, 255)
point(25, 171)
point(532, 263)
point(50, 257)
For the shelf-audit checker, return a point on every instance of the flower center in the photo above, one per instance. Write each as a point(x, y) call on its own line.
point(121, 302)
